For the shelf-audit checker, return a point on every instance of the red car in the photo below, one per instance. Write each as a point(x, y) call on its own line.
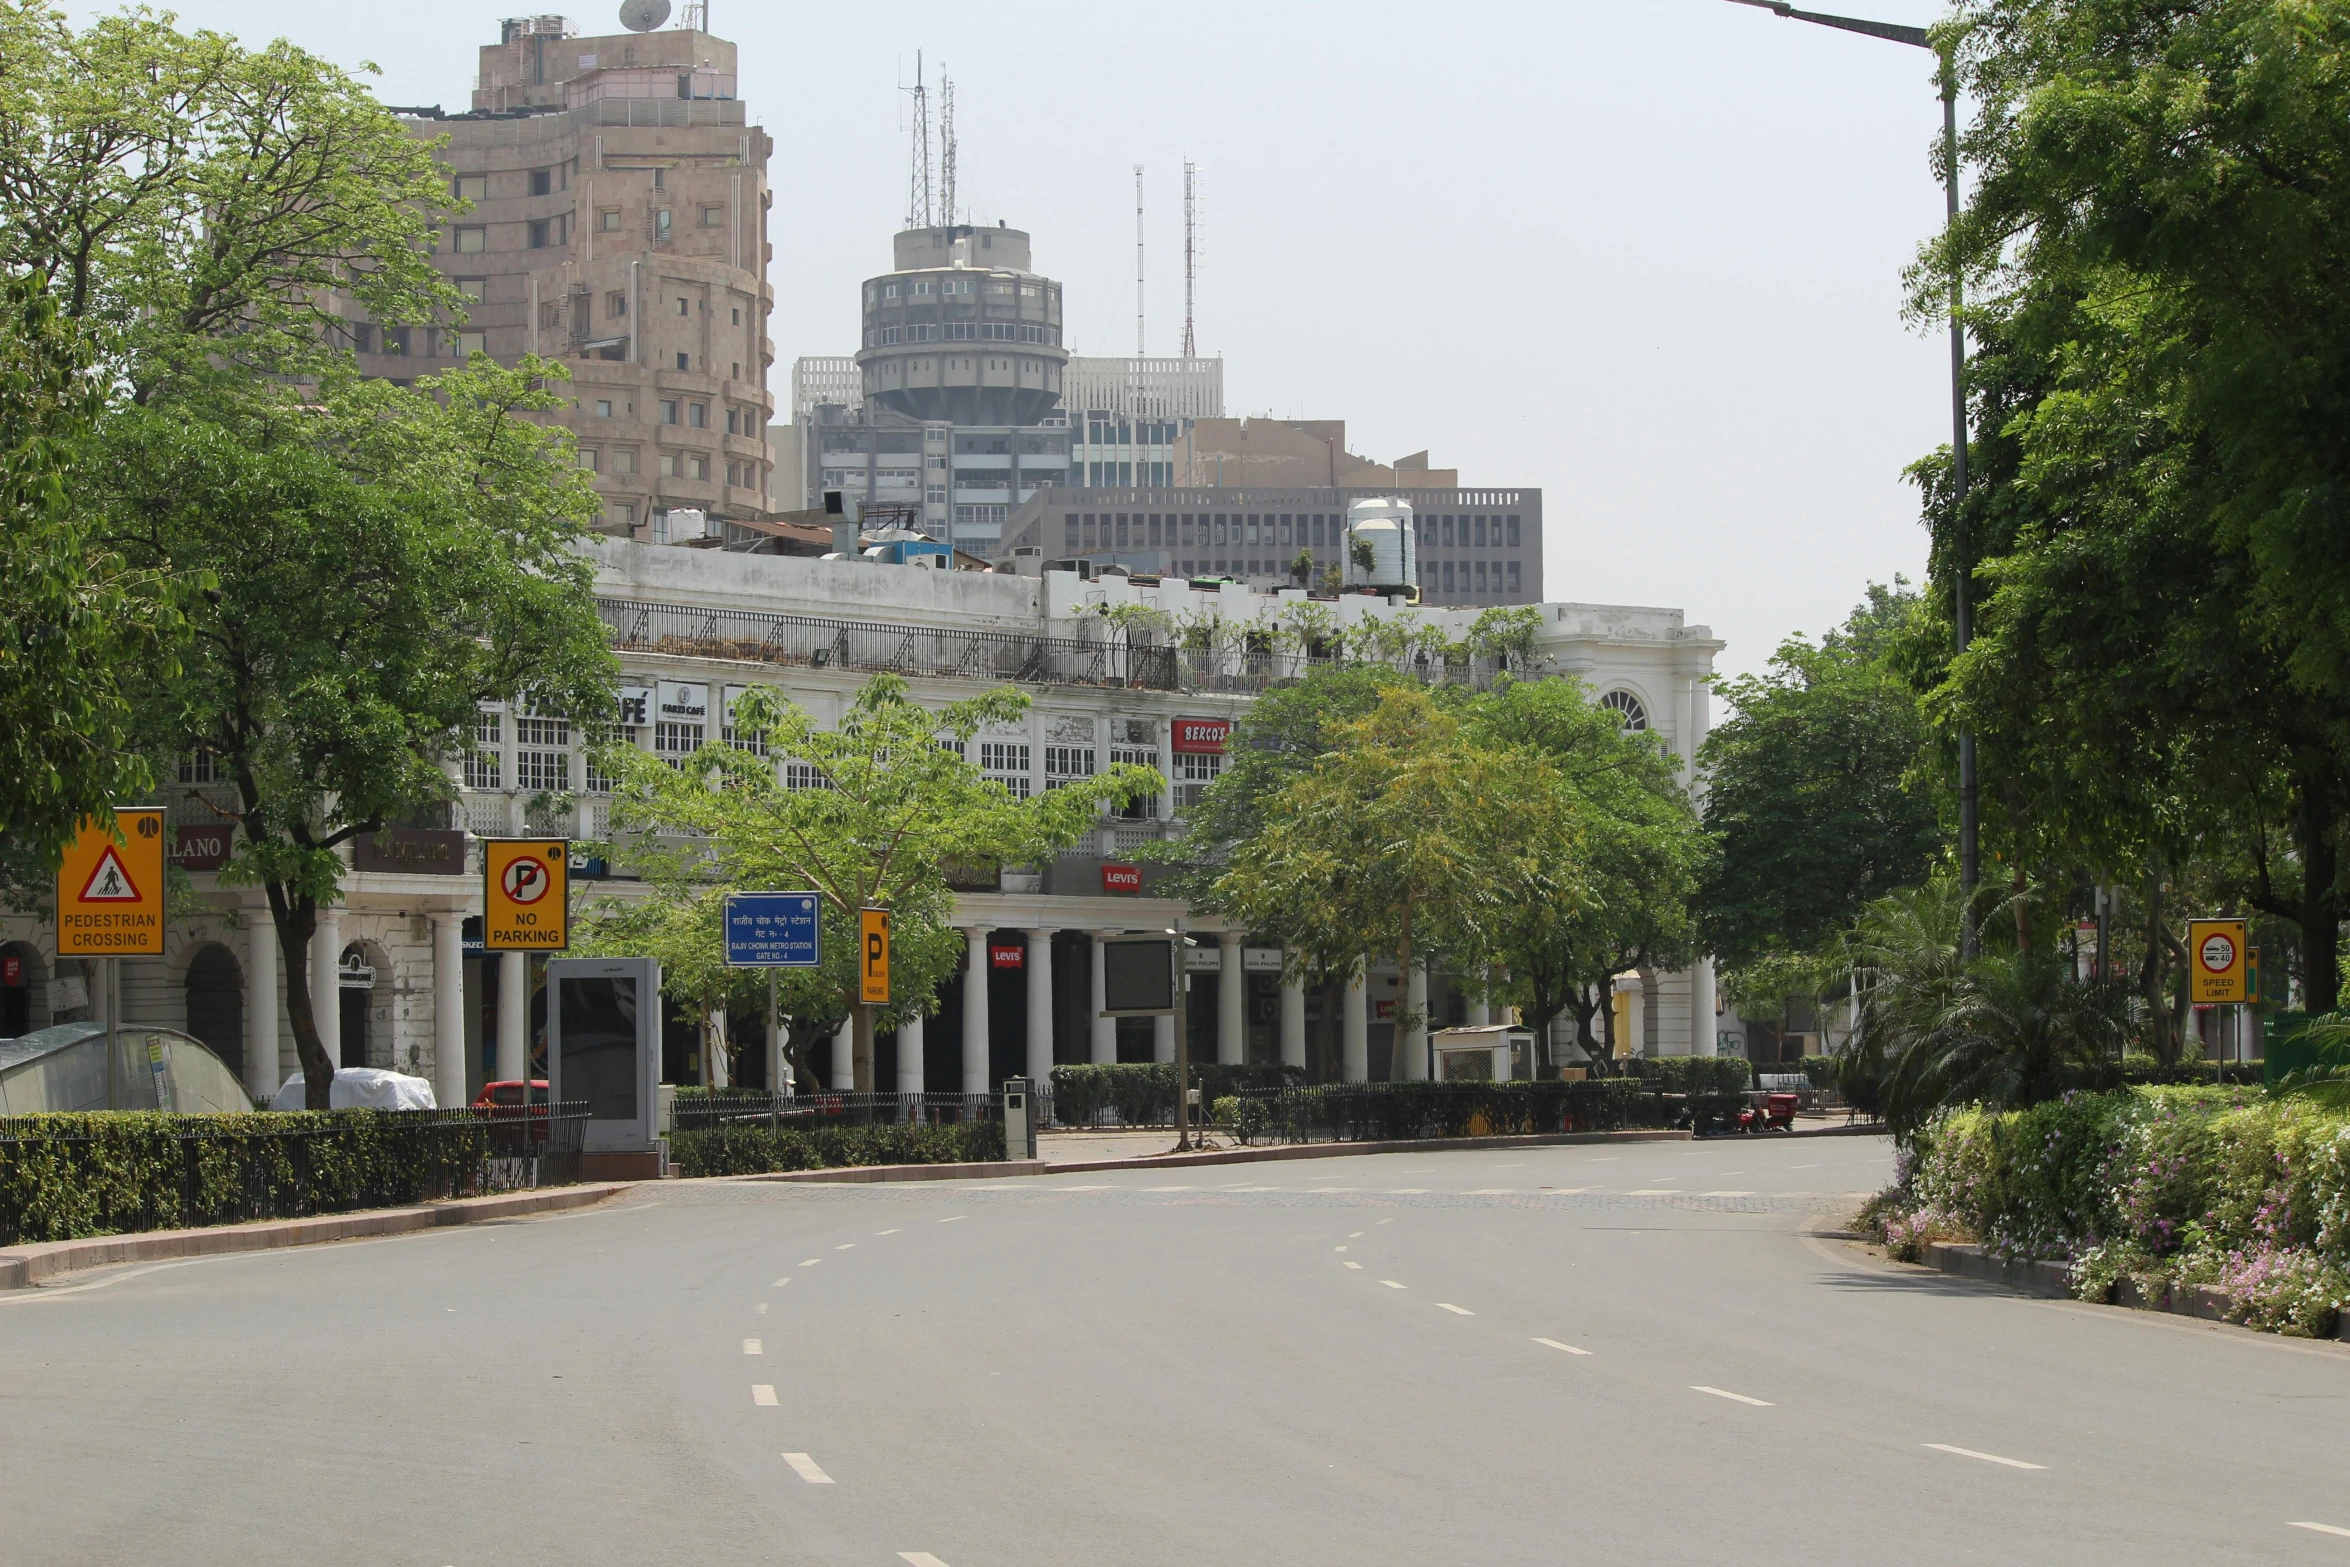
point(503, 1100)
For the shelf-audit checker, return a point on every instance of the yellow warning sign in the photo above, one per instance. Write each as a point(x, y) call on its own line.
point(110, 887)
point(873, 966)
point(526, 894)
point(2216, 954)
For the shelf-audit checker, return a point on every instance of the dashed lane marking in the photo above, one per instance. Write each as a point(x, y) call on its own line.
point(1166, 1188)
point(760, 1309)
point(2321, 1528)
point(1458, 1311)
point(752, 1346)
point(763, 1394)
point(1391, 1284)
point(1338, 1248)
point(1567, 1348)
point(879, 1233)
point(1741, 1398)
point(805, 1467)
point(1994, 1458)
point(1408, 1191)
point(1656, 1191)
point(810, 1262)
point(920, 1559)
point(1358, 1267)
point(1725, 1194)
point(1355, 1236)
point(846, 1246)
point(780, 1283)
point(954, 1218)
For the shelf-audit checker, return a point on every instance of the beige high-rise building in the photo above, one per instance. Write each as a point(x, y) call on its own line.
point(618, 222)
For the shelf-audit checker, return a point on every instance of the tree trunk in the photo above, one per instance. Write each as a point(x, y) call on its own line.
point(861, 1054)
point(296, 920)
point(2158, 1024)
point(1580, 1003)
point(2321, 964)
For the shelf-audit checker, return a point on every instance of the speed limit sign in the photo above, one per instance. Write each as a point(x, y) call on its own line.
point(2216, 952)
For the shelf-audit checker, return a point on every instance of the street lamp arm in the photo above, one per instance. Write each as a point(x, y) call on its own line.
point(1893, 32)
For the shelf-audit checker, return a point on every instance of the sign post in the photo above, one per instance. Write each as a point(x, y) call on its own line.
point(773, 930)
point(110, 904)
point(526, 895)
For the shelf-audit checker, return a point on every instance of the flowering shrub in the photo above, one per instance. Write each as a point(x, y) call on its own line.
point(2168, 1186)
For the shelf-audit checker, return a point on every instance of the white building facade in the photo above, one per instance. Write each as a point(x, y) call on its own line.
point(408, 990)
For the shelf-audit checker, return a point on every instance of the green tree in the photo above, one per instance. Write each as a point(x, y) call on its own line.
point(1402, 838)
point(1811, 802)
point(888, 804)
point(379, 562)
point(76, 612)
point(1617, 809)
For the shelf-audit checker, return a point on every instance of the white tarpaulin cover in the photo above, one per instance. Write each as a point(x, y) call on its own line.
point(361, 1088)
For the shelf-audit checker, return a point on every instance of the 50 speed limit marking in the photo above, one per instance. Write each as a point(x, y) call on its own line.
point(526, 894)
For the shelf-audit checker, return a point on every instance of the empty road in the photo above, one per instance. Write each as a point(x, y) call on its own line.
point(1593, 1354)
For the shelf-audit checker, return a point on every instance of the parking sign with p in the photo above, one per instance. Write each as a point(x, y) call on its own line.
point(526, 894)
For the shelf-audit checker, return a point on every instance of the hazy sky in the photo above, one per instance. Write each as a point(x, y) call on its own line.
point(1644, 255)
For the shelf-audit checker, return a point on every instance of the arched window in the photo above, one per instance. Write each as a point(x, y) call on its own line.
point(1635, 717)
point(216, 1004)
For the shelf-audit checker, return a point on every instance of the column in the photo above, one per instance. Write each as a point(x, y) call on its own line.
point(1231, 995)
point(844, 1051)
point(1635, 1040)
point(326, 985)
point(1040, 1007)
point(720, 1072)
point(910, 1056)
point(1704, 1038)
point(1293, 1022)
point(1355, 1031)
point(1104, 1030)
point(448, 1007)
point(1480, 1011)
point(1163, 1039)
point(261, 1055)
point(778, 1064)
point(1415, 1044)
point(513, 1016)
point(975, 988)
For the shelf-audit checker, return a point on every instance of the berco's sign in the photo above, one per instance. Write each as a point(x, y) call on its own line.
point(1201, 736)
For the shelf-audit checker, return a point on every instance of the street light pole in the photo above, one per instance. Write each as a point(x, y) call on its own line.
point(1182, 963)
point(1969, 861)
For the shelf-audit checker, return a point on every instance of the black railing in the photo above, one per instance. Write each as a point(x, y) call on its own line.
point(67, 1176)
point(705, 1109)
point(869, 647)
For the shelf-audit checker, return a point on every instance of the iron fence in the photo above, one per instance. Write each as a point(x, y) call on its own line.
point(706, 1109)
point(68, 1176)
point(1397, 1112)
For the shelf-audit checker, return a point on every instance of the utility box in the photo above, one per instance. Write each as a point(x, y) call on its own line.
point(604, 1048)
point(1019, 1119)
point(1487, 1053)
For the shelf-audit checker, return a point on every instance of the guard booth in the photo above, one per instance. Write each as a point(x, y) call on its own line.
point(1490, 1053)
point(604, 1047)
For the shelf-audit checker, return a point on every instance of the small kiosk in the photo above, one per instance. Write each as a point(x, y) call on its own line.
point(1488, 1053)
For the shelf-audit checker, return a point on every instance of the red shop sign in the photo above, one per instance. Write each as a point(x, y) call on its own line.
point(1006, 954)
point(1121, 878)
point(11, 972)
point(1201, 736)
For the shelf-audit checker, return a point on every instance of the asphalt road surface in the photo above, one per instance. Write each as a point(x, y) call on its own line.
point(1622, 1354)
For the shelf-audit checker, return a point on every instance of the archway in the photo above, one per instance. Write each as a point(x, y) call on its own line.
point(24, 976)
point(216, 1004)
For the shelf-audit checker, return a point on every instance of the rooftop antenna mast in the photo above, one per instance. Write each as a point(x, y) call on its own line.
point(918, 206)
point(1138, 339)
point(1190, 252)
point(946, 146)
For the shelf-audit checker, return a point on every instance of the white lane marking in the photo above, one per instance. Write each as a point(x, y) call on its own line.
point(1355, 1235)
point(1408, 1191)
point(1358, 1267)
point(846, 1246)
point(752, 1346)
point(1078, 1188)
point(956, 1219)
point(1569, 1191)
point(1803, 1167)
point(1555, 1344)
point(810, 1262)
point(760, 1309)
point(1989, 1458)
point(1725, 1194)
point(1655, 1191)
point(1726, 1174)
point(1391, 1284)
point(780, 1283)
point(920, 1559)
point(2321, 1528)
point(1739, 1398)
point(1458, 1311)
point(1492, 1191)
point(1166, 1188)
point(763, 1394)
point(805, 1467)
point(879, 1233)
point(1338, 1248)
point(1605, 1159)
point(1387, 1221)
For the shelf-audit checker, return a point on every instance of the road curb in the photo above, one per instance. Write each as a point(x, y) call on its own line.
point(22, 1267)
point(1349, 1150)
point(860, 1174)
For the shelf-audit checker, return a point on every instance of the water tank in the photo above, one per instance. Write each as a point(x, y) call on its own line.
point(1386, 526)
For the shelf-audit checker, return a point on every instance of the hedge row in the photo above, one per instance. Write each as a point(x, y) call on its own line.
point(747, 1148)
point(2168, 1186)
point(1690, 1074)
point(1143, 1092)
point(67, 1176)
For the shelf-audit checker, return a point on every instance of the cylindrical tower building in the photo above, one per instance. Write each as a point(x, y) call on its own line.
point(962, 332)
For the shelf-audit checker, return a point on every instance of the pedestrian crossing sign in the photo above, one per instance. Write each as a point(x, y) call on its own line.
point(110, 887)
